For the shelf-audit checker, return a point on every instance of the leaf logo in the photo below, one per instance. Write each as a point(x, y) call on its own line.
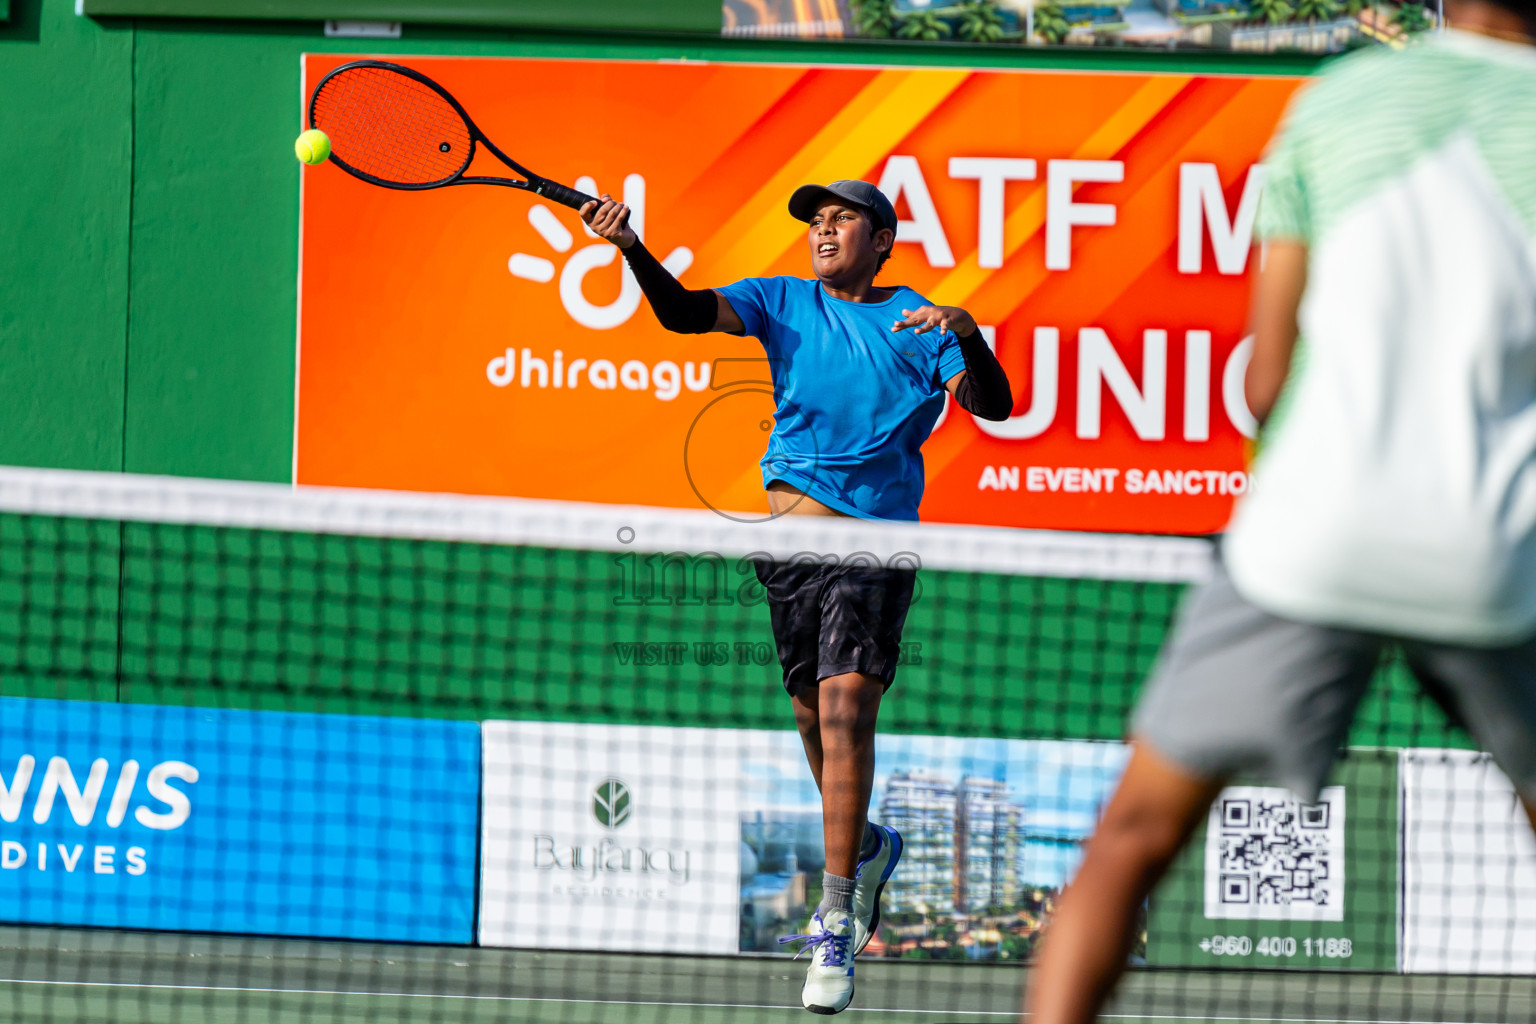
point(610, 803)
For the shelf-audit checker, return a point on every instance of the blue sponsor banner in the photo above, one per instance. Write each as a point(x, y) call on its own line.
point(256, 822)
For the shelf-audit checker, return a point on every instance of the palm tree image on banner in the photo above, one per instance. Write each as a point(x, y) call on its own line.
point(1254, 26)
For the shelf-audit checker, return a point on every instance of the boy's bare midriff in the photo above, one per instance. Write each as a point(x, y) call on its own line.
point(785, 499)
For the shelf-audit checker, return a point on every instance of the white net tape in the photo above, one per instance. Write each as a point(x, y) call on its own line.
point(582, 526)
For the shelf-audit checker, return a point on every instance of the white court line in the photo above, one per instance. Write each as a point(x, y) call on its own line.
point(649, 1002)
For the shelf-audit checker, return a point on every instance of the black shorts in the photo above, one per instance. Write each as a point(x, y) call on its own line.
point(832, 619)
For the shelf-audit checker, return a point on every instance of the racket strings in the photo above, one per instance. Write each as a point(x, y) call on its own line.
point(392, 127)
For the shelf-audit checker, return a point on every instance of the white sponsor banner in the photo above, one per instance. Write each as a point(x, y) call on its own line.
point(710, 840)
point(1469, 867)
point(610, 837)
point(1270, 857)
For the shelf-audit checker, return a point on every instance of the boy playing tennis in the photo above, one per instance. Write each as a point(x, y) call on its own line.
point(1396, 494)
point(859, 379)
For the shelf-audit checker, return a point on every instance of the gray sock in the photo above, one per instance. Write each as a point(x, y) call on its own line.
point(871, 844)
point(836, 894)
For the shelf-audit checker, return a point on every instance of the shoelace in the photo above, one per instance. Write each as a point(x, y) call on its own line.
point(836, 954)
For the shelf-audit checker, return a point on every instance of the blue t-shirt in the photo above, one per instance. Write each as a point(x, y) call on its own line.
point(855, 400)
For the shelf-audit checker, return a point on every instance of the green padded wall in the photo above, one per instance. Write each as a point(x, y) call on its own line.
point(66, 147)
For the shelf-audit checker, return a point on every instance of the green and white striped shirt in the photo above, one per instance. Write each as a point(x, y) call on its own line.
point(1397, 492)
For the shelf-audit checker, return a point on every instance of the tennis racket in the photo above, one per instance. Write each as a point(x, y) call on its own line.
point(395, 127)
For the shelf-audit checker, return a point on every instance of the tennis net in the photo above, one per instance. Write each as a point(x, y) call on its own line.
point(275, 753)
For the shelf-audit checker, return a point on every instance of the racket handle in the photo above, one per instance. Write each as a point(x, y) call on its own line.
point(564, 196)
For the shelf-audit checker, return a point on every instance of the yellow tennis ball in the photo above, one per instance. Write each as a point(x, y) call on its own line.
point(313, 146)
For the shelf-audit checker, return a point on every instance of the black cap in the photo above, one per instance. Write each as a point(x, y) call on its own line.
point(807, 198)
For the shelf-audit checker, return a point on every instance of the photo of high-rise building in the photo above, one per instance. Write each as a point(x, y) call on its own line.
point(992, 829)
point(988, 840)
point(921, 806)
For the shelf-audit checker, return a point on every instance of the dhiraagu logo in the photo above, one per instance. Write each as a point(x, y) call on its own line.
point(545, 368)
point(600, 253)
point(610, 803)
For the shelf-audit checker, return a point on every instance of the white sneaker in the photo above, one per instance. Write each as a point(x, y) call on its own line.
point(869, 883)
point(829, 979)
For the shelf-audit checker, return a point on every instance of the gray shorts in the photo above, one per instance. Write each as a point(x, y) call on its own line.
point(1238, 689)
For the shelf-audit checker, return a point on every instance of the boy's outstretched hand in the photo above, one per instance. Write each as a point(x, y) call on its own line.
point(610, 220)
point(944, 318)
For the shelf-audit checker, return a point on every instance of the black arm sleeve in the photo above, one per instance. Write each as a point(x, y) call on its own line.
point(680, 310)
point(984, 389)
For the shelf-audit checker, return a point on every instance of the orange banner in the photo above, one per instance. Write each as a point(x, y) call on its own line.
point(478, 340)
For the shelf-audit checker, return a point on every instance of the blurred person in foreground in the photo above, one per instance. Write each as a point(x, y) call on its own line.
point(1395, 497)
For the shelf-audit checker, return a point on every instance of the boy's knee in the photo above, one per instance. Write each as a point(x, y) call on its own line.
point(850, 703)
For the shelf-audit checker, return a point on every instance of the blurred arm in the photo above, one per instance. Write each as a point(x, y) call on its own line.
point(1277, 295)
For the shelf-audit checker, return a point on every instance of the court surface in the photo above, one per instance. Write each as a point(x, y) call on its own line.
point(128, 978)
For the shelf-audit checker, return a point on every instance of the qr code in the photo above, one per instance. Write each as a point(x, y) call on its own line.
point(1270, 857)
